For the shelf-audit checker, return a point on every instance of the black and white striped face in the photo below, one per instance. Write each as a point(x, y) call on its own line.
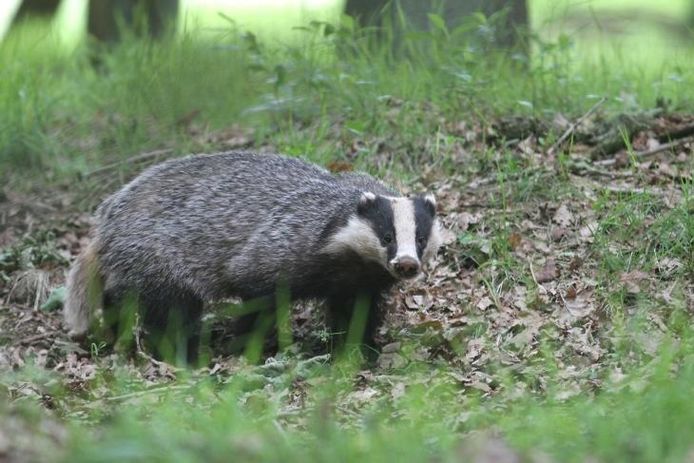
point(400, 233)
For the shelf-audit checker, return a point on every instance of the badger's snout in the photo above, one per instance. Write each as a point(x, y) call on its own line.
point(406, 267)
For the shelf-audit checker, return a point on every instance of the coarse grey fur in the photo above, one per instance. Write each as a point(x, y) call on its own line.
point(207, 227)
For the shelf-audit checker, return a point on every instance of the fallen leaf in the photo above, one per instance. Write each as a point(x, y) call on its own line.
point(652, 143)
point(668, 265)
point(390, 348)
point(579, 306)
point(667, 170)
point(575, 264)
point(632, 280)
point(340, 166)
point(398, 391)
point(415, 301)
point(391, 361)
point(570, 293)
point(514, 240)
point(363, 396)
point(474, 349)
point(485, 303)
point(548, 272)
point(466, 219)
point(447, 236)
point(563, 216)
point(588, 231)
point(559, 232)
point(479, 385)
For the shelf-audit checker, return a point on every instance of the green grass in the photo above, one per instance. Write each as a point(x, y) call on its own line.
point(644, 416)
point(58, 105)
point(342, 97)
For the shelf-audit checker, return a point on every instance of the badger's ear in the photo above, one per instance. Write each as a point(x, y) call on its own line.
point(366, 201)
point(430, 203)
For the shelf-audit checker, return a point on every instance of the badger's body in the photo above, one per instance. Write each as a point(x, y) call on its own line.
point(207, 227)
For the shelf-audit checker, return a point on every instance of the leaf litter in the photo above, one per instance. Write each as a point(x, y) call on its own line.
point(512, 279)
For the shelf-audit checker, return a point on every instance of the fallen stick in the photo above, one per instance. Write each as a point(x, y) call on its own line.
point(681, 132)
point(539, 170)
point(137, 158)
point(37, 337)
point(572, 128)
point(154, 390)
point(647, 153)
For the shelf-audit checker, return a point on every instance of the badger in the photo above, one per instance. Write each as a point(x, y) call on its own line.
point(209, 227)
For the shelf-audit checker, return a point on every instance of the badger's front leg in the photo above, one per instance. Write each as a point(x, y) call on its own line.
point(355, 319)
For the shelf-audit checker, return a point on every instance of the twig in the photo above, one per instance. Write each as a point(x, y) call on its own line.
point(681, 132)
point(624, 189)
point(476, 205)
point(137, 158)
point(647, 153)
point(573, 126)
point(155, 390)
point(532, 272)
point(36, 337)
point(539, 170)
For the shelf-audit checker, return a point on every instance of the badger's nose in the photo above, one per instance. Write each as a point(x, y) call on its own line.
point(407, 267)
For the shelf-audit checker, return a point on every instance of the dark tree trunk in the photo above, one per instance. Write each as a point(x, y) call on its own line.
point(366, 12)
point(511, 32)
point(510, 26)
point(37, 7)
point(143, 17)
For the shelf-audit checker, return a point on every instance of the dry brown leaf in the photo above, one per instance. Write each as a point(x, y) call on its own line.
point(559, 232)
point(571, 293)
point(548, 272)
point(514, 240)
point(580, 305)
point(632, 280)
point(340, 166)
point(575, 264)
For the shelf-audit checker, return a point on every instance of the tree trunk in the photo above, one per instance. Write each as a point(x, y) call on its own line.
point(143, 17)
point(510, 26)
point(365, 12)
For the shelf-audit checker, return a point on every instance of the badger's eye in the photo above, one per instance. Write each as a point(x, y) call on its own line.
point(421, 241)
point(388, 238)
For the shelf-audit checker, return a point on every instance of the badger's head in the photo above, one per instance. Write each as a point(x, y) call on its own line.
point(399, 233)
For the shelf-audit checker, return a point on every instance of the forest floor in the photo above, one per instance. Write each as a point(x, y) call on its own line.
point(554, 326)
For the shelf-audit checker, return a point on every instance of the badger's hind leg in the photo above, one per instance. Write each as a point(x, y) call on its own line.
point(172, 322)
point(119, 309)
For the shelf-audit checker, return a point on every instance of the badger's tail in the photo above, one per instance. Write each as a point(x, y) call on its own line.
point(84, 291)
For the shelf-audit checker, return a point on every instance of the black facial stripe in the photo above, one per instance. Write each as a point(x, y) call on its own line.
point(424, 219)
point(380, 216)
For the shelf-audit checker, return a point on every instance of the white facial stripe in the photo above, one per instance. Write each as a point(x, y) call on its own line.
point(357, 236)
point(433, 244)
point(405, 227)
